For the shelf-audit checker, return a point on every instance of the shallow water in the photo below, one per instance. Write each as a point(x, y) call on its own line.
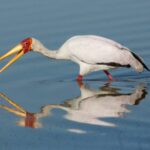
point(43, 107)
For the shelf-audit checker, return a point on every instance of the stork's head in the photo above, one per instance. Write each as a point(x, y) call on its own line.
point(22, 48)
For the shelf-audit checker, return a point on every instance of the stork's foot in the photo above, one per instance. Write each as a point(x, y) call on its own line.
point(79, 80)
point(110, 77)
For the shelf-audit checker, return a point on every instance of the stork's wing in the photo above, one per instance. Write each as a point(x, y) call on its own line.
point(99, 50)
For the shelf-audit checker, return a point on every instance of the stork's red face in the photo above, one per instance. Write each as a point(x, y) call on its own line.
point(22, 48)
point(27, 45)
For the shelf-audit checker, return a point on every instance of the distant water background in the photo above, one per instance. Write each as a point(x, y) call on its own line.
point(98, 115)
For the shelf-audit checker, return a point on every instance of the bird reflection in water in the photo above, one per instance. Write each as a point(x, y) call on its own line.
point(91, 107)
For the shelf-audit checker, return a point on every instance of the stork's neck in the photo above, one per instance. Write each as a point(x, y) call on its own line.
point(37, 46)
point(49, 53)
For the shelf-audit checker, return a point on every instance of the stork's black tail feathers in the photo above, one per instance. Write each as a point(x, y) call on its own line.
point(141, 61)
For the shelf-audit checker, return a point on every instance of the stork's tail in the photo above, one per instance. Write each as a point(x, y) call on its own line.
point(138, 64)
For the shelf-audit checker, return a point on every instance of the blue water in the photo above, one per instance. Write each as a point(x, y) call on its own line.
point(56, 112)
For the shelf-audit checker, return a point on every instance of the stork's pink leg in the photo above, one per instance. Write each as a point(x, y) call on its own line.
point(108, 75)
point(79, 78)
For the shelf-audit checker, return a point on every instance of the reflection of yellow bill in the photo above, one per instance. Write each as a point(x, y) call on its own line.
point(13, 111)
point(18, 109)
point(27, 119)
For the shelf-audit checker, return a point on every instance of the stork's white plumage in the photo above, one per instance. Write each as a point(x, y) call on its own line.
point(91, 53)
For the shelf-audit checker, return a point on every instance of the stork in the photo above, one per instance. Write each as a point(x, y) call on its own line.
point(90, 52)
